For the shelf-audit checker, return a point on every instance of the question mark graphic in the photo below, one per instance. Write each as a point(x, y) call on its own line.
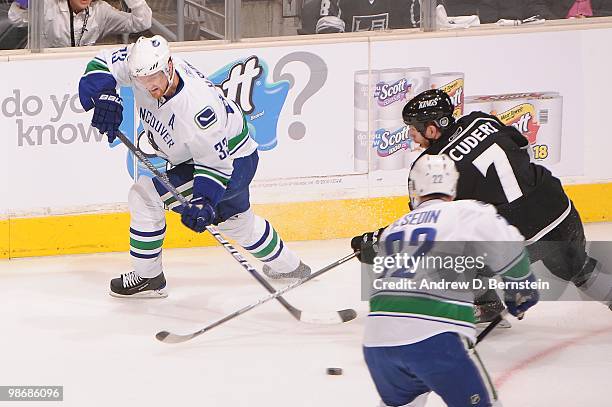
point(318, 77)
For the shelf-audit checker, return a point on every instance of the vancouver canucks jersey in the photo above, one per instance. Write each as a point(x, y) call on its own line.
point(197, 124)
point(447, 243)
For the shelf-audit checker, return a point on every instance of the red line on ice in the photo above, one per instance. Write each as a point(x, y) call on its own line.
point(558, 347)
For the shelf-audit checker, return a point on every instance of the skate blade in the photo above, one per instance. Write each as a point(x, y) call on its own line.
point(149, 294)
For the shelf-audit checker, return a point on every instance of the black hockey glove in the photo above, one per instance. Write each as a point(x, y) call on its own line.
point(366, 246)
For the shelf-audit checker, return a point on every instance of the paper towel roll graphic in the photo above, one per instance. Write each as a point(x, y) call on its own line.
point(391, 144)
point(519, 113)
point(361, 146)
point(474, 104)
point(419, 79)
point(548, 142)
point(365, 114)
point(390, 93)
point(361, 94)
point(453, 83)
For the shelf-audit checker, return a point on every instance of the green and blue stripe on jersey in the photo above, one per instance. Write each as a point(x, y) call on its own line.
point(96, 79)
point(235, 143)
point(432, 306)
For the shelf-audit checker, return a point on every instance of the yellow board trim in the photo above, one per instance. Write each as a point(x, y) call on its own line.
point(55, 235)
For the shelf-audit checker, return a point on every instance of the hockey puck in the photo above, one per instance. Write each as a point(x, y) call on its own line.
point(334, 371)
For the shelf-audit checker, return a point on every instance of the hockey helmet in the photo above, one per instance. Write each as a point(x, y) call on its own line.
point(432, 174)
point(431, 106)
point(148, 56)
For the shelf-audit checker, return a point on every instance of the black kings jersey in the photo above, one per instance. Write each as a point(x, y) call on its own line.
point(494, 167)
point(362, 15)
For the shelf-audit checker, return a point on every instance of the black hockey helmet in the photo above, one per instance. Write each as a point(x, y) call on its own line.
point(432, 106)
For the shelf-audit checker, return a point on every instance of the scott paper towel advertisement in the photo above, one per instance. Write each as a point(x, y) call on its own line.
point(382, 137)
point(538, 116)
point(327, 116)
point(544, 98)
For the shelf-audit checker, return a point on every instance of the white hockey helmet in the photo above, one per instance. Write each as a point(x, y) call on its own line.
point(432, 174)
point(148, 56)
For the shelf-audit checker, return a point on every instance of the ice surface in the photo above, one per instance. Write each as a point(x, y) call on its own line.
point(60, 327)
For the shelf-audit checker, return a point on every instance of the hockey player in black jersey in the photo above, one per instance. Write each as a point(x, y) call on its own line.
point(494, 166)
point(335, 16)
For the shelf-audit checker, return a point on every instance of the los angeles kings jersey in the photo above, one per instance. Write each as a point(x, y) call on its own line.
point(494, 167)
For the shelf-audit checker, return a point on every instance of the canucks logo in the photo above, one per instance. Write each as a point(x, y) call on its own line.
point(244, 81)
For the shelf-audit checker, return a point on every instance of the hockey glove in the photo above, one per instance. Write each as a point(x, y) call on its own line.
point(366, 246)
point(198, 215)
point(108, 114)
point(520, 300)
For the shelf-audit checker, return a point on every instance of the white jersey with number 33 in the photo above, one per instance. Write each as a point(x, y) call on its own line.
point(198, 123)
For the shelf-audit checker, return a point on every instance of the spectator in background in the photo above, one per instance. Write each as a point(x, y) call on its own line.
point(491, 11)
point(461, 7)
point(335, 16)
point(11, 37)
point(74, 23)
point(558, 9)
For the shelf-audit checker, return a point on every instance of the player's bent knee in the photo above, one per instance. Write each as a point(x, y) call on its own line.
point(143, 201)
point(239, 227)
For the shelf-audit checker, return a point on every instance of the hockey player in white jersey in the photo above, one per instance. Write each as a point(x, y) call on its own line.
point(418, 338)
point(204, 136)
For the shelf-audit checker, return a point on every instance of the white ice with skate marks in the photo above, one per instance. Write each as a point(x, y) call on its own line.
point(60, 327)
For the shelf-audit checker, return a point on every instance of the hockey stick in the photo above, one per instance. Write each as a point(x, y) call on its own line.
point(168, 337)
point(344, 315)
point(499, 318)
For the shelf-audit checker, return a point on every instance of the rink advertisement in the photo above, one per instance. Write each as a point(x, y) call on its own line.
point(538, 96)
point(326, 115)
point(282, 92)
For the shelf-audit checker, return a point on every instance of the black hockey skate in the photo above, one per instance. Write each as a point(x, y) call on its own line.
point(131, 285)
point(302, 271)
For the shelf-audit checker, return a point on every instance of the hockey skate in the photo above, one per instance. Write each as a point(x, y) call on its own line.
point(131, 285)
point(486, 312)
point(302, 271)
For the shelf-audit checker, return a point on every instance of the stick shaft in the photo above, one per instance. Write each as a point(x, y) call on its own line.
point(163, 178)
point(491, 326)
point(275, 295)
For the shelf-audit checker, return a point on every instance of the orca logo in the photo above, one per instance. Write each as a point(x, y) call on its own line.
point(155, 43)
point(206, 118)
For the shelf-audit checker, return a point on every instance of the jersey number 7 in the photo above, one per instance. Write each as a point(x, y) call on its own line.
point(495, 156)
